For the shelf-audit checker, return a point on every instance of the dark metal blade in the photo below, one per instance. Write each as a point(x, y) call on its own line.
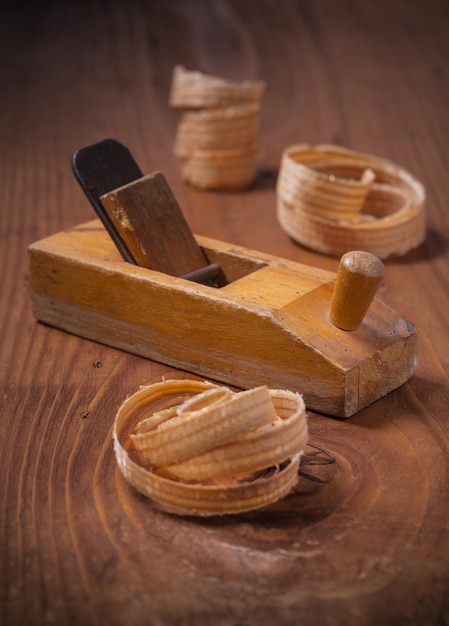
point(101, 168)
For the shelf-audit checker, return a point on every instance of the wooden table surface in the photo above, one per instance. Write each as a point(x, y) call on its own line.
point(366, 543)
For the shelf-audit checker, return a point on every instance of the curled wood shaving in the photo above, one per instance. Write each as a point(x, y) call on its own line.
point(334, 200)
point(217, 139)
point(196, 90)
point(197, 448)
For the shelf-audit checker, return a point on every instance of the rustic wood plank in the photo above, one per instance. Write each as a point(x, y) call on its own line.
point(366, 541)
point(151, 222)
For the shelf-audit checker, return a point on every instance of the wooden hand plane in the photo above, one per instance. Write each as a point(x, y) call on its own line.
point(137, 279)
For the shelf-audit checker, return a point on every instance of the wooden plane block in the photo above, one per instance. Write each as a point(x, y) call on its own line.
point(150, 222)
point(269, 325)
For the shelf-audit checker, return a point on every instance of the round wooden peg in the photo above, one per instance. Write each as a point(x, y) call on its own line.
point(358, 279)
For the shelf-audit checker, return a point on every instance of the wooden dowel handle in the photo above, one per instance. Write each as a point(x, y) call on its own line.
point(358, 279)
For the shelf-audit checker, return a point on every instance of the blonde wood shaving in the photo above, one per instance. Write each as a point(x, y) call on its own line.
point(217, 138)
point(334, 200)
point(197, 448)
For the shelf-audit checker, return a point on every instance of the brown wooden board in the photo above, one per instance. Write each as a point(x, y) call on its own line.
point(366, 541)
point(147, 214)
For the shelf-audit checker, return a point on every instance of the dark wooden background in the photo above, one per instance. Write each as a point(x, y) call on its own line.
point(369, 544)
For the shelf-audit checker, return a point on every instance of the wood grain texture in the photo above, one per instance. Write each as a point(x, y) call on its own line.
point(366, 541)
point(150, 221)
